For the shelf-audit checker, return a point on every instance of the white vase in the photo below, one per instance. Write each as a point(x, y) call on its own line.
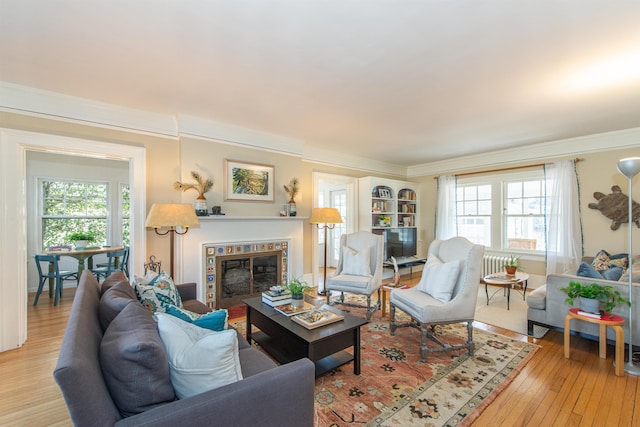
point(297, 301)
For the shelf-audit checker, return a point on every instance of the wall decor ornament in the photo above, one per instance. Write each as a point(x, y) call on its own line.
point(615, 207)
point(251, 182)
point(202, 186)
point(292, 190)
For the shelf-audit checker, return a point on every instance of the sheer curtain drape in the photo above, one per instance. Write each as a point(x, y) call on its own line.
point(563, 226)
point(446, 223)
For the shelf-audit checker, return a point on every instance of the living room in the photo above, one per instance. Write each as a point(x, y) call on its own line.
point(164, 148)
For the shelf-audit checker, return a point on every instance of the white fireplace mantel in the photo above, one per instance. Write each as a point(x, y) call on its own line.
point(230, 229)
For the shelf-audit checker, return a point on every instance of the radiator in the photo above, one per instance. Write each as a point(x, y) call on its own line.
point(493, 264)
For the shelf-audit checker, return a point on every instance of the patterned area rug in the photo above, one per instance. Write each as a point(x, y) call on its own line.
point(396, 389)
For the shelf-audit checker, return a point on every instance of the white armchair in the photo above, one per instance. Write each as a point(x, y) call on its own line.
point(446, 293)
point(359, 269)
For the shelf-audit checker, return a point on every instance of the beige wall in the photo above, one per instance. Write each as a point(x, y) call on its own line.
point(171, 159)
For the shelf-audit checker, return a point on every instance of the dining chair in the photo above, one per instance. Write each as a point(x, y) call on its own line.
point(52, 272)
point(124, 263)
point(111, 266)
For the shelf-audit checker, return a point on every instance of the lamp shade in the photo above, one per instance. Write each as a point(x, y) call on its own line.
point(629, 167)
point(325, 216)
point(171, 215)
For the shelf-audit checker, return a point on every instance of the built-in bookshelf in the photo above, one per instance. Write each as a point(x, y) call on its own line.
point(386, 203)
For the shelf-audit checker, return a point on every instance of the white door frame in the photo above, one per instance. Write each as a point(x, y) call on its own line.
point(14, 145)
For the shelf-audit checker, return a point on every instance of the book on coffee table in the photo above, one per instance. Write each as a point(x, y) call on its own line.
point(316, 318)
point(289, 310)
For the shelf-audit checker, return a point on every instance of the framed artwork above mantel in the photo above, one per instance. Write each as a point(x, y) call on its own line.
point(248, 182)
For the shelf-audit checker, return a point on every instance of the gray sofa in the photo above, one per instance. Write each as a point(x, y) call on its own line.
point(268, 394)
point(547, 306)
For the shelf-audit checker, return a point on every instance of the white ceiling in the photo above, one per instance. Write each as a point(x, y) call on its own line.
point(407, 82)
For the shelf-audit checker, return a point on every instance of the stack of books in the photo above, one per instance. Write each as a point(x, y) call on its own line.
point(598, 315)
point(273, 298)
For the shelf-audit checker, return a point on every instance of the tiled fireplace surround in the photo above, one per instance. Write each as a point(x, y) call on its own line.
point(242, 237)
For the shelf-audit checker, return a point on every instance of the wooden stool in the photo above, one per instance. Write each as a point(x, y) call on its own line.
point(614, 322)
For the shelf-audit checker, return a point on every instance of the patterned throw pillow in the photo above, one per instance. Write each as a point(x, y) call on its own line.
point(604, 261)
point(215, 320)
point(156, 291)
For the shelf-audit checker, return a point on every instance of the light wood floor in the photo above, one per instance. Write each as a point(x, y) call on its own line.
point(549, 391)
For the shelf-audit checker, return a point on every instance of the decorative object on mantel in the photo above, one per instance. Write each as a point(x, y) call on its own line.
point(292, 191)
point(630, 167)
point(172, 216)
point(325, 218)
point(250, 182)
point(614, 206)
point(202, 186)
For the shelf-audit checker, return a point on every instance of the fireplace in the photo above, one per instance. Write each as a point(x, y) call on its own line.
point(240, 270)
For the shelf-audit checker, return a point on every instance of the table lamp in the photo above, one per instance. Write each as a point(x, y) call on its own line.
point(171, 216)
point(325, 218)
point(630, 167)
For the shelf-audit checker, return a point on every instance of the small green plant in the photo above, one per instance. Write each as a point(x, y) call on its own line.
point(512, 261)
point(297, 287)
point(605, 294)
point(80, 235)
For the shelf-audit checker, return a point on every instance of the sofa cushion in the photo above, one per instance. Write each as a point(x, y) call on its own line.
point(440, 278)
point(134, 362)
point(155, 291)
point(538, 298)
point(215, 320)
point(587, 270)
point(113, 301)
point(115, 277)
point(199, 359)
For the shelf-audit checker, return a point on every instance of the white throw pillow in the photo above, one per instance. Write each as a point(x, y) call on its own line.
point(356, 263)
point(199, 359)
point(440, 278)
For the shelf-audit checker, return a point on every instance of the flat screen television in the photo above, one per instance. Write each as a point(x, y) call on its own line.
point(399, 242)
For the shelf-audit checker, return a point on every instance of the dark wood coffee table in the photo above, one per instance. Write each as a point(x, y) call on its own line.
point(287, 341)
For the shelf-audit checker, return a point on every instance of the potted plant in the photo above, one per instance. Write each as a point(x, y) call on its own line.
point(202, 186)
point(511, 266)
point(297, 288)
point(81, 239)
point(592, 295)
point(381, 220)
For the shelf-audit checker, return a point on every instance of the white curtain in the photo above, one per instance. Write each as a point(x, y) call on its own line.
point(446, 224)
point(563, 226)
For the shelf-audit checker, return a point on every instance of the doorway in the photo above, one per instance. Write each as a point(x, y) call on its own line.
point(13, 249)
point(340, 192)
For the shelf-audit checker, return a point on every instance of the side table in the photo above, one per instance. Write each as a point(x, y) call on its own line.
point(507, 282)
point(614, 322)
point(386, 289)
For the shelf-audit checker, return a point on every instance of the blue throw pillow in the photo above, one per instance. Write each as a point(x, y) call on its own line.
point(587, 270)
point(215, 320)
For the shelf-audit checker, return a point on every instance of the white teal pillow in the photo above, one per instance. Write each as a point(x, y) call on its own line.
point(356, 263)
point(215, 320)
point(199, 359)
point(439, 279)
point(156, 291)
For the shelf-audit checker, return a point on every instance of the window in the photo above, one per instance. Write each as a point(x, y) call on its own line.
point(69, 207)
point(503, 212)
point(125, 209)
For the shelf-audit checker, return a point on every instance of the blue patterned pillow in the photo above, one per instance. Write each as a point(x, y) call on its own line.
point(588, 270)
point(604, 261)
point(215, 320)
point(156, 292)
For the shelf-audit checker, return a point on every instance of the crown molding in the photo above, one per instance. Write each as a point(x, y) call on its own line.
point(222, 132)
point(43, 103)
point(607, 141)
point(332, 158)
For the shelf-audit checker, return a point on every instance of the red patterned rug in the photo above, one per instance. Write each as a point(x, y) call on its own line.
point(395, 389)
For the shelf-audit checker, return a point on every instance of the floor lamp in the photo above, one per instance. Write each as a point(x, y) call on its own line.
point(325, 218)
point(172, 216)
point(630, 167)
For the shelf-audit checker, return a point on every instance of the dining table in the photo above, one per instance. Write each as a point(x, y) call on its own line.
point(82, 255)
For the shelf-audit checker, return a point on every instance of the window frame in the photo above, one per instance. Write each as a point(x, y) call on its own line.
point(499, 217)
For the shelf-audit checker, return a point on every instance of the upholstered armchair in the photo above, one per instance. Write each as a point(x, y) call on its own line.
point(359, 269)
point(446, 293)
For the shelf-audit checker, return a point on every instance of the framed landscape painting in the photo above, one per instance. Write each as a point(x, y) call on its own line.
point(252, 182)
